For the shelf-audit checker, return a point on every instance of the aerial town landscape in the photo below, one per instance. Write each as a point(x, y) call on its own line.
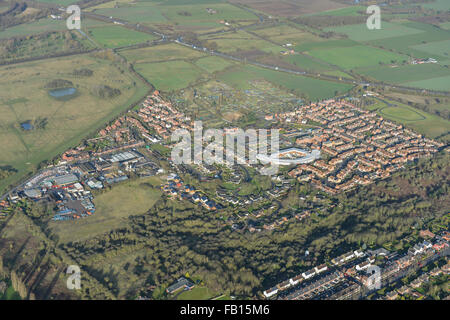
point(135, 150)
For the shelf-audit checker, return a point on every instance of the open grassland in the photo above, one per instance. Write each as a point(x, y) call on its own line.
point(241, 41)
point(117, 36)
point(171, 75)
point(349, 11)
point(313, 89)
point(213, 64)
point(406, 43)
point(61, 2)
point(435, 49)
point(360, 32)
point(112, 208)
point(197, 293)
point(439, 83)
point(307, 63)
point(290, 8)
point(44, 25)
point(357, 56)
point(24, 98)
point(283, 34)
point(406, 73)
point(438, 5)
point(179, 15)
point(142, 12)
point(319, 43)
point(427, 124)
point(161, 53)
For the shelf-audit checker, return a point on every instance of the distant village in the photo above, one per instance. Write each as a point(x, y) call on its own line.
point(346, 147)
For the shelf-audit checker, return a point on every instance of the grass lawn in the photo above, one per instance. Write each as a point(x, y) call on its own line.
point(68, 121)
point(113, 207)
point(197, 293)
point(117, 36)
point(171, 75)
point(357, 56)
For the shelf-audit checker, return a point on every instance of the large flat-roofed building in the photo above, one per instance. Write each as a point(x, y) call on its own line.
point(65, 179)
point(290, 156)
point(124, 157)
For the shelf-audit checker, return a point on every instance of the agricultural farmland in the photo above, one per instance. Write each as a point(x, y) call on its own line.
point(357, 56)
point(168, 76)
point(117, 36)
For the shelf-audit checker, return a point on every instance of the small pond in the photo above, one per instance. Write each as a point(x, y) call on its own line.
point(62, 93)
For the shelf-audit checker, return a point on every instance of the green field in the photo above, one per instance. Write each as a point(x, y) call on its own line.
point(112, 209)
point(161, 53)
point(321, 44)
point(241, 41)
point(197, 293)
point(117, 36)
point(357, 56)
point(138, 12)
point(177, 14)
point(68, 121)
point(435, 49)
point(44, 25)
point(349, 11)
point(172, 75)
point(213, 64)
point(360, 32)
point(61, 2)
point(427, 124)
point(312, 88)
point(405, 44)
point(438, 5)
point(407, 73)
point(284, 33)
point(307, 63)
point(440, 83)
